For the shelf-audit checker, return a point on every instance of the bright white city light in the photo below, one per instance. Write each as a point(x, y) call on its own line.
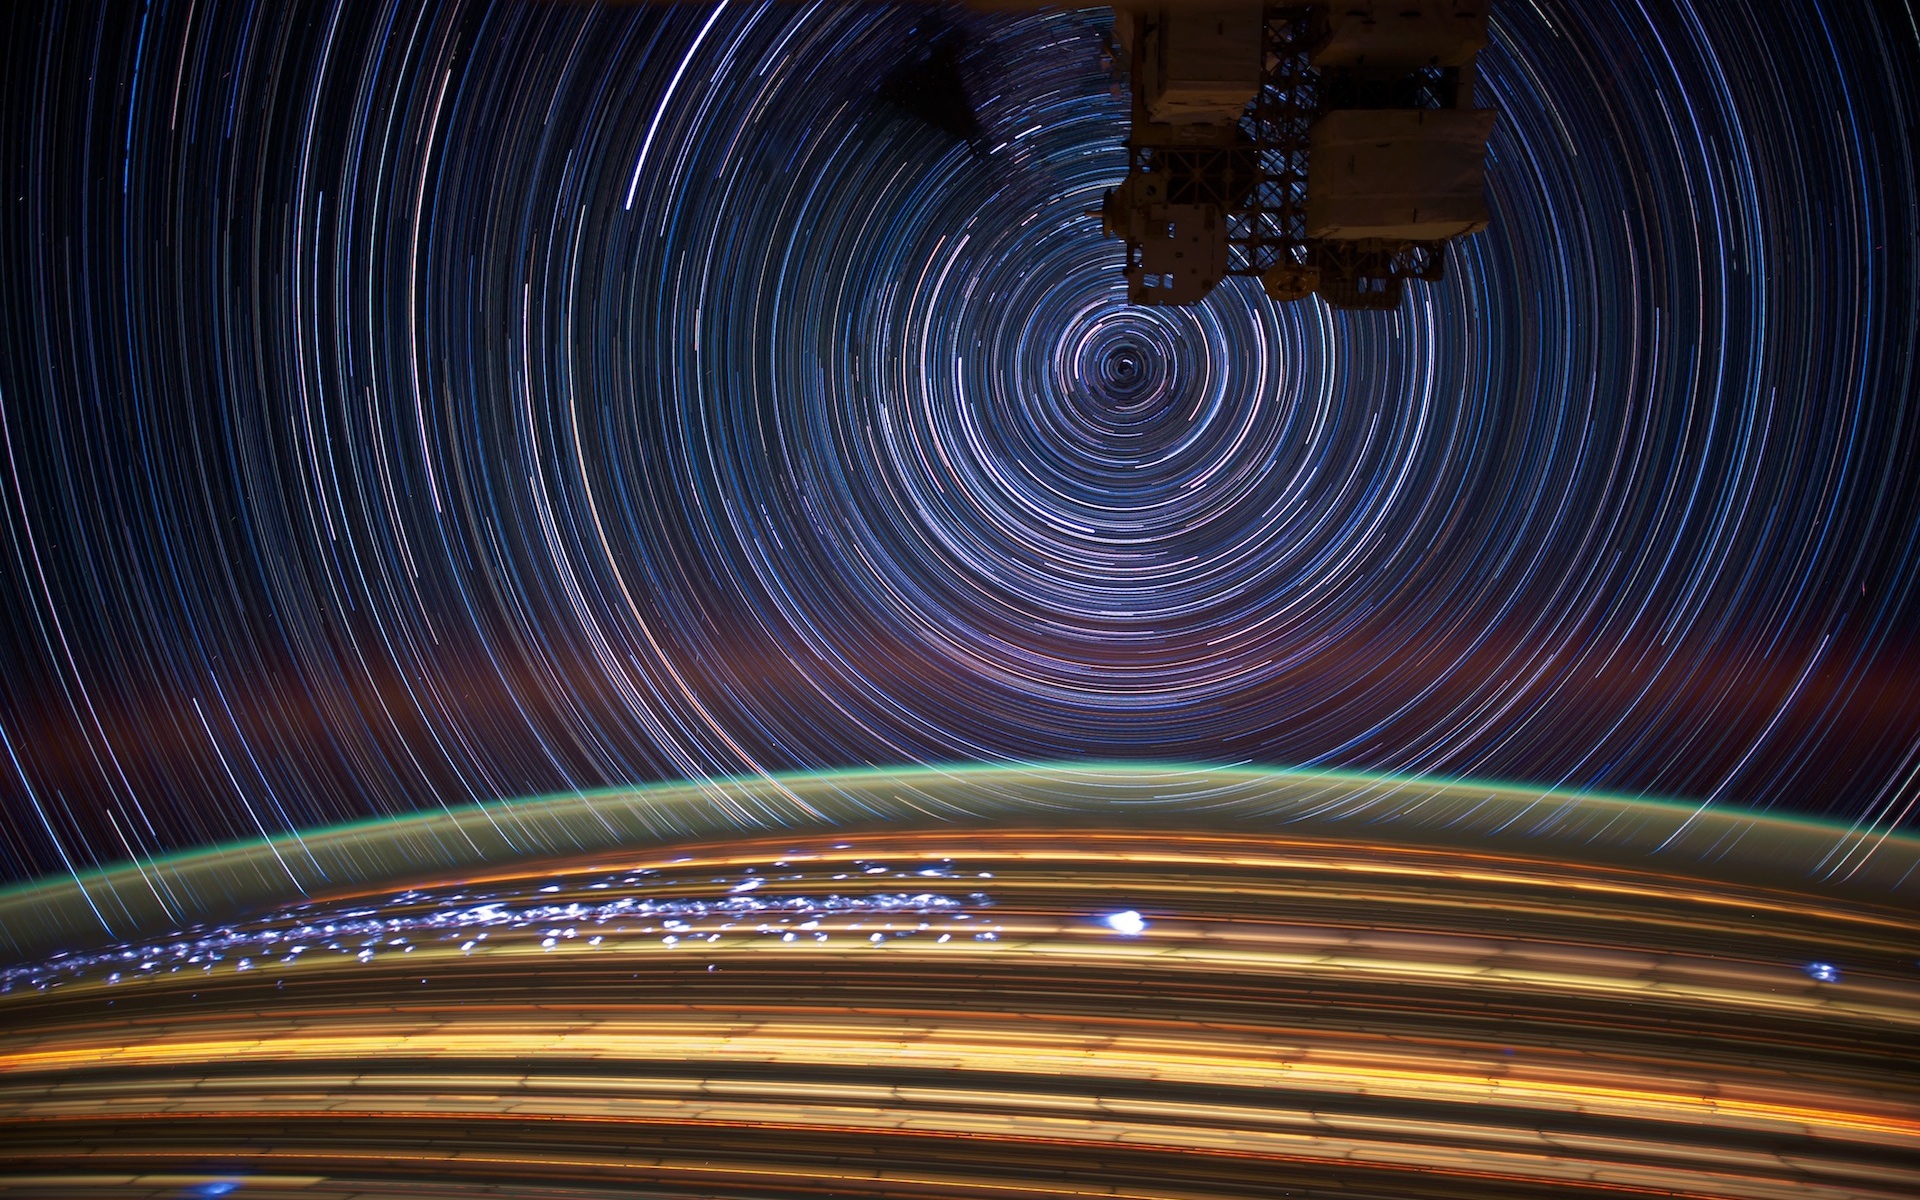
point(1128, 922)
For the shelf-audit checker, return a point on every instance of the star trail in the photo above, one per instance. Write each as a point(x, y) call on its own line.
point(407, 407)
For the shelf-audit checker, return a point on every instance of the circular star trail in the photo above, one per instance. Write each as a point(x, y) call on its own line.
point(419, 405)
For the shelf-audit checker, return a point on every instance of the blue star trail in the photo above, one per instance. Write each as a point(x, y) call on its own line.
point(407, 407)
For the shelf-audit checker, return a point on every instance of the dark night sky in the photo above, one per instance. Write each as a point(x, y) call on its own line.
point(407, 406)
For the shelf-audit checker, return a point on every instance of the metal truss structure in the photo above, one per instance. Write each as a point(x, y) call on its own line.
point(1259, 179)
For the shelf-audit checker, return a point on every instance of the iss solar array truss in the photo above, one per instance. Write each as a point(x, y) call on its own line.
point(1399, 152)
